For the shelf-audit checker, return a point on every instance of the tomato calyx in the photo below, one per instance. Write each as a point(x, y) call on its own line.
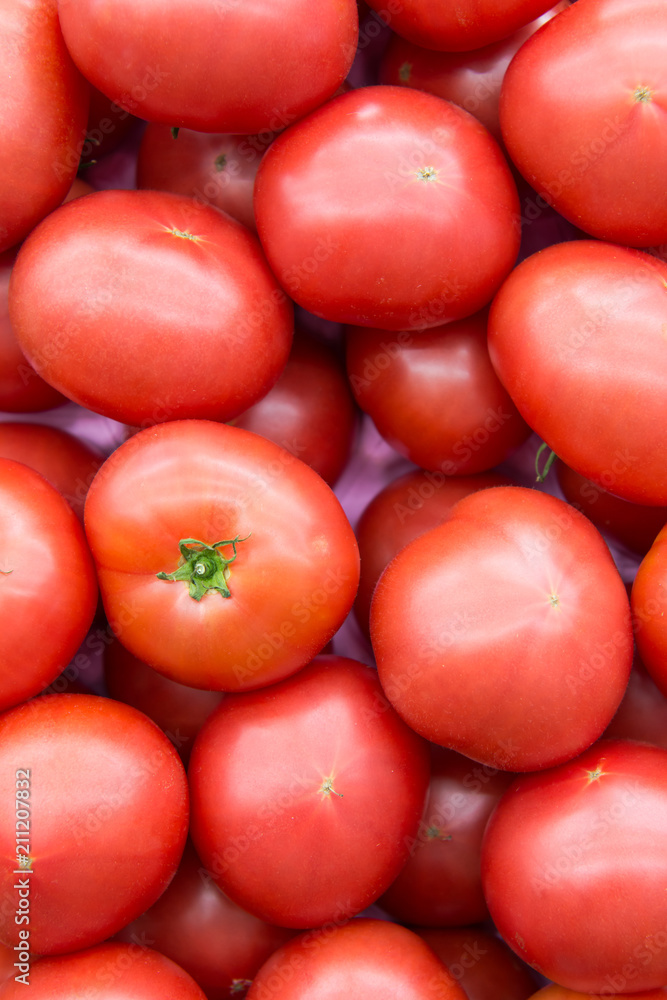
point(541, 475)
point(203, 567)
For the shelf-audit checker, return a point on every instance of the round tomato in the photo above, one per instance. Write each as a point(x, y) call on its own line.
point(145, 306)
point(224, 562)
point(48, 590)
point(389, 208)
point(574, 863)
point(577, 336)
point(305, 794)
point(95, 807)
point(597, 79)
point(505, 632)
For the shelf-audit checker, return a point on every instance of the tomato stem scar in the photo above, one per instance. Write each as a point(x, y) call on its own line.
point(203, 567)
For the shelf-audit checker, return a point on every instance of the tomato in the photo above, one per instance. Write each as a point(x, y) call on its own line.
point(560, 993)
point(121, 337)
point(64, 461)
point(574, 865)
point(101, 807)
point(214, 168)
point(423, 233)
point(107, 972)
point(198, 927)
point(576, 334)
point(483, 965)
point(434, 395)
point(304, 794)
point(21, 388)
point(597, 77)
point(272, 563)
point(455, 27)
point(649, 598)
point(370, 958)
point(178, 710)
point(43, 116)
point(407, 507)
point(48, 591)
point(161, 64)
point(470, 79)
point(310, 410)
point(440, 884)
point(520, 589)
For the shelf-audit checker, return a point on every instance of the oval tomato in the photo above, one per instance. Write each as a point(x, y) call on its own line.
point(305, 794)
point(223, 561)
point(101, 300)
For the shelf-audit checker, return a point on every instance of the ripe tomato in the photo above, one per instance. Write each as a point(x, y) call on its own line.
point(269, 64)
point(517, 587)
point(305, 794)
point(597, 76)
point(649, 601)
point(423, 232)
point(224, 562)
point(120, 334)
point(48, 591)
point(483, 965)
point(574, 863)
point(577, 336)
point(95, 796)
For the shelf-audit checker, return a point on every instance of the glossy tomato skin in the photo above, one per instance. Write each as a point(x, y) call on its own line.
point(649, 600)
point(108, 971)
point(406, 508)
point(198, 927)
point(371, 958)
point(483, 964)
point(310, 410)
point(291, 584)
point(305, 794)
point(517, 587)
point(43, 116)
point(389, 245)
point(108, 810)
point(440, 884)
point(434, 395)
point(581, 155)
point(145, 306)
point(576, 334)
point(573, 866)
point(189, 65)
point(48, 590)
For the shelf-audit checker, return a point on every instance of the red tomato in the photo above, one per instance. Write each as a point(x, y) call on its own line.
point(577, 336)
point(372, 959)
point(455, 27)
point(305, 794)
point(649, 600)
point(389, 208)
point(266, 559)
point(198, 927)
point(519, 588)
point(21, 388)
point(178, 710)
point(434, 395)
point(406, 508)
point(222, 67)
point(107, 972)
point(597, 76)
point(64, 461)
point(574, 864)
point(310, 411)
point(42, 117)
point(440, 884)
point(48, 591)
point(470, 79)
point(560, 993)
point(483, 965)
point(214, 168)
point(122, 336)
point(101, 808)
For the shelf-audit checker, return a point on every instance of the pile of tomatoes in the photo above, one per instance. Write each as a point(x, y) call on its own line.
point(314, 680)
